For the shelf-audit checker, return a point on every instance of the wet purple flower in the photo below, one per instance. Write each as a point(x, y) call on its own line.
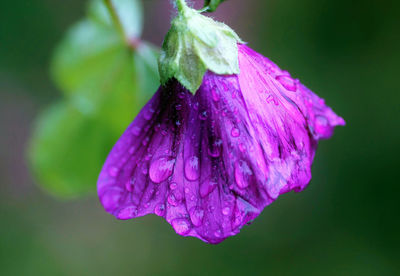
point(209, 163)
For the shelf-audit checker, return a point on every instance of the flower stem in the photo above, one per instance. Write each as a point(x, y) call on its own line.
point(117, 22)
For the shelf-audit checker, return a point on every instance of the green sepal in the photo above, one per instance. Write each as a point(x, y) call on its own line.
point(194, 44)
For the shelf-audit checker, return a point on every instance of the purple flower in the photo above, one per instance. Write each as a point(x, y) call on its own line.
point(209, 163)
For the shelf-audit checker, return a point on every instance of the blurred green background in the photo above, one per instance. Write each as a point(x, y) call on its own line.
point(345, 223)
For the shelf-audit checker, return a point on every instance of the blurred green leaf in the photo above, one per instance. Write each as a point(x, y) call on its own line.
point(106, 81)
point(127, 12)
point(67, 150)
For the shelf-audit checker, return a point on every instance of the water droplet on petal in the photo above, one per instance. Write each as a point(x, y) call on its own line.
point(161, 169)
point(113, 171)
point(173, 185)
point(145, 141)
point(174, 198)
point(181, 226)
point(242, 174)
point(215, 95)
point(192, 168)
point(159, 210)
point(214, 152)
point(207, 187)
point(218, 233)
point(145, 170)
point(235, 132)
point(136, 130)
point(196, 216)
point(321, 120)
point(110, 199)
point(127, 213)
point(131, 150)
point(178, 107)
point(226, 211)
point(287, 82)
point(148, 113)
point(242, 147)
point(203, 115)
point(129, 185)
point(271, 99)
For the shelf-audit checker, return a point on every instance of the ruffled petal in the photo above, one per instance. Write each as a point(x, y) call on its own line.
point(211, 162)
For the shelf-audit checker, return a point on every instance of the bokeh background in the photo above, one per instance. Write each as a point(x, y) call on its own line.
point(345, 223)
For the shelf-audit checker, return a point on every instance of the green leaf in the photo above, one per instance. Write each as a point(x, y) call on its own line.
point(105, 82)
point(212, 5)
point(127, 12)
point(195, 44)
point(67, 150)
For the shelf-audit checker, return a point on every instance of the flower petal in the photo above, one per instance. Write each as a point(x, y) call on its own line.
point(211, 162)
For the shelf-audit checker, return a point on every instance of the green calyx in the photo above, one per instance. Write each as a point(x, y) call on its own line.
point(194, 44)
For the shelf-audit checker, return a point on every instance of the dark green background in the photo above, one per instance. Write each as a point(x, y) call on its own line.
point(345, 223)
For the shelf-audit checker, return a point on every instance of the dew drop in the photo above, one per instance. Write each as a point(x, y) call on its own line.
point(214, 152)
point(161, 169)
point(136, 130)
point(131, 150)
point(242, 174)
point(174, 198)
point(110, 199)
point(145, 170)
point(203, 115)
point(159, 210)
point(178, 107)
point(181, 226)
point(148, 113)
point(226, 211)
point(207, 188)
point(129, 185)
point(127, 213)
point(287, 82)
point(145, 141)
point(218, 233)
point(196, 215)
point(192, 168)
point(321, 120)
point(173, 185)
point(215, 95)
point(235, 132)
point(271, 99)
point(113, 171)
point(242, 147)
